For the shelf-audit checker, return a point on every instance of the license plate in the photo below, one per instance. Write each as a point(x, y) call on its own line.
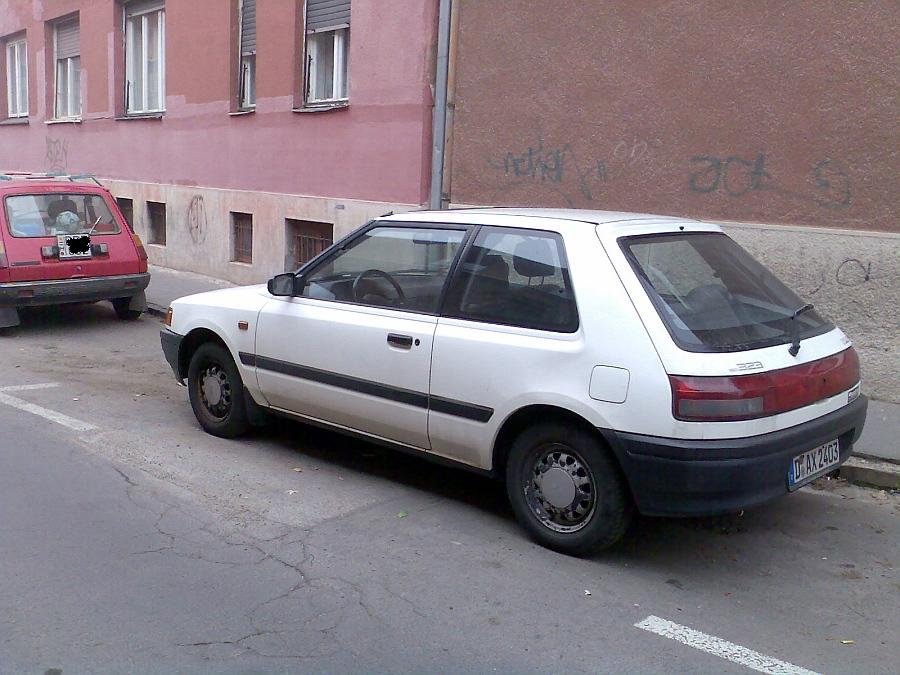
point(810, 464)
point(74, 245)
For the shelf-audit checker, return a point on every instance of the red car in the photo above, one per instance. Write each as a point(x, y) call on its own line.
point(64, 240)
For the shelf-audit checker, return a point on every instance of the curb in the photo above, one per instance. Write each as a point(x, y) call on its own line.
point(871, 473)
point(156, 310)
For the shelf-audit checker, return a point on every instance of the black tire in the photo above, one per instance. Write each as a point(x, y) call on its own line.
point(122, 310)
point(601, 506)
point(227, 416)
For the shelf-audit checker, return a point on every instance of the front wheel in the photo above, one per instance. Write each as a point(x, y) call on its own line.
point(566, 489)
point(217, 392)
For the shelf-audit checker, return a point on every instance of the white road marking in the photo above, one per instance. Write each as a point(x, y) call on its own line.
point(721, 648)
point(46, 413)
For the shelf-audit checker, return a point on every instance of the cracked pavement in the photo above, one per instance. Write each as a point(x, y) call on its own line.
point(148, 546)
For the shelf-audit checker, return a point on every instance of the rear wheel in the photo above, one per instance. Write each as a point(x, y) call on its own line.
point(217, 392)
point(123, 311)
point(566, 489)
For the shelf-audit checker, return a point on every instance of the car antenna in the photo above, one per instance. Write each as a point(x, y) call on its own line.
point(795, 343)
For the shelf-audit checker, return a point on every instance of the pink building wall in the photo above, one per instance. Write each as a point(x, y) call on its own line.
point(375, 149)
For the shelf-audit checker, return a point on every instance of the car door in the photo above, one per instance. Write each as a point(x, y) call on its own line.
point(354, 347)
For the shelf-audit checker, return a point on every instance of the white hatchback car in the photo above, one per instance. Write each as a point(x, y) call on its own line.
point(598, 361)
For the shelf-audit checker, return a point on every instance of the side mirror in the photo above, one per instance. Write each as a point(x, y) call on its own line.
point(282, 284)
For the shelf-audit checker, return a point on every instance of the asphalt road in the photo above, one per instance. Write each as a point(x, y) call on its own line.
point(130, 541)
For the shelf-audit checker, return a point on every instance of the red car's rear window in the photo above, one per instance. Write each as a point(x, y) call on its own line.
point(50, 214)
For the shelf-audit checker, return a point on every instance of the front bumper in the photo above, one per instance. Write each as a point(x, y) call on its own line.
point(673, 477)
point(171, 346)
point(61, 291)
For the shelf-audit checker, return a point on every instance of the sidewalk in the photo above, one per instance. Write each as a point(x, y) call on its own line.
point(166, 285)
point(878, 448)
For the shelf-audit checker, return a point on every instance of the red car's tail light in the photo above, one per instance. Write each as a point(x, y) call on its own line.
point(4, 261)
point(746, 397)
point(139, 245)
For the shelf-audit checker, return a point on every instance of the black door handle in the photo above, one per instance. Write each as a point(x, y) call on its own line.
point(397, 340)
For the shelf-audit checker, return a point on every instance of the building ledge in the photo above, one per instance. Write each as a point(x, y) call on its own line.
point(140, 116)
point(13, 121)
point(322, 107)
point(70, 120)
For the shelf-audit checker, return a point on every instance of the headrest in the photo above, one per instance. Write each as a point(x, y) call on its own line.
point(534, 258)
point(60, 205)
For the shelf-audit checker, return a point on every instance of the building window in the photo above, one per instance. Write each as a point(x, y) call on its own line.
point(157, 216)
point(242, 237)
point(16, 78)
point(68, 69)
point(305, 240)
point(327, 40)
point(126, 206)
point(247, 81)
point(145, 57)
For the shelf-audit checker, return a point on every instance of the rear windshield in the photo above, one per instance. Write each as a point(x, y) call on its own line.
point(47, 215)
point(714, 297)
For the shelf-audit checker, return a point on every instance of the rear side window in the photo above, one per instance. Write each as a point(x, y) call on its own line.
point(713, 296)
point(47, 215)
point(515, 278)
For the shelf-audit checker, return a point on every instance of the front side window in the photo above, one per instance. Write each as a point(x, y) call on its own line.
point(327, 42)
point(515, 278)
point(67, 49)
point(145, 71)
point(396, 267)
point(247, 82)
point(16, 79)
point(713, 296)
point(48, 215)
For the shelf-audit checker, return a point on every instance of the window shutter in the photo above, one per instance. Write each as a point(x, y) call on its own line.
point(67, 44)
point(143, 6)
point(324, 14)
point(248, 27)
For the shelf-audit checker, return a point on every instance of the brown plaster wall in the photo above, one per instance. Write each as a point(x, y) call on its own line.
point(775, 111)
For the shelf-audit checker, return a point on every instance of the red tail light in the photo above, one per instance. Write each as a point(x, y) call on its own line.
point(4, 261)
point(746, 397)
point(141, 251)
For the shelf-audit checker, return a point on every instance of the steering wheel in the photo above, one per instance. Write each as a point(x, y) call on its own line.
point(401, 296)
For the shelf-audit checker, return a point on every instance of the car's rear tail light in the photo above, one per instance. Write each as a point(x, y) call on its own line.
point(746, 397)
point(139, 245)
point(168, 319)
point(4, 261)
point(49, 251)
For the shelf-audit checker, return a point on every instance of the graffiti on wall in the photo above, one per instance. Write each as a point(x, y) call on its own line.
point(828, 183)
point(56, 157)
point(557, 168)
point(196, 219)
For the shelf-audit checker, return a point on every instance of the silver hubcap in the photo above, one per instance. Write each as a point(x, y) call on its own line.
point(560, 489)
point(215, 390)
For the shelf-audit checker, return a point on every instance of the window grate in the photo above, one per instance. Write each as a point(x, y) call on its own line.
point(306, 240)
point(242, 237)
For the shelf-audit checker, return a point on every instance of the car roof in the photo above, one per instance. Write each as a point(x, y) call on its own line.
point(536, 218)
point(47, 182)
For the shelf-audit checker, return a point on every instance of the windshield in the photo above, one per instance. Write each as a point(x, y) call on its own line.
point(47, 215)
point(713, 296)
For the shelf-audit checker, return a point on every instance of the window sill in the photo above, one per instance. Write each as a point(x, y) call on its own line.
point(239, 113)
point(67, 120)
point(322, 107)
point(240, 263)
point(12, 121)
point(141, 116)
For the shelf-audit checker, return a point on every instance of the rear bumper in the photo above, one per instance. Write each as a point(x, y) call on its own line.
point(31, 293)
point(672, 477)
point(171, 347)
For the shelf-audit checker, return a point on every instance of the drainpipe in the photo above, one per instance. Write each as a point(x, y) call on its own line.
point(439, 123)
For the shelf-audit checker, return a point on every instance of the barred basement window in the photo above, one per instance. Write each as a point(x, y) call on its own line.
point(327, 42)
point(157, 216)
point(242, 237)
point(305, 240)
point(67, 49)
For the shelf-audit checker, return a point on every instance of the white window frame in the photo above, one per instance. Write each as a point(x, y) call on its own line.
point(144, 16)
point(74, 94)
point(338, 84)
point(16, 53)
